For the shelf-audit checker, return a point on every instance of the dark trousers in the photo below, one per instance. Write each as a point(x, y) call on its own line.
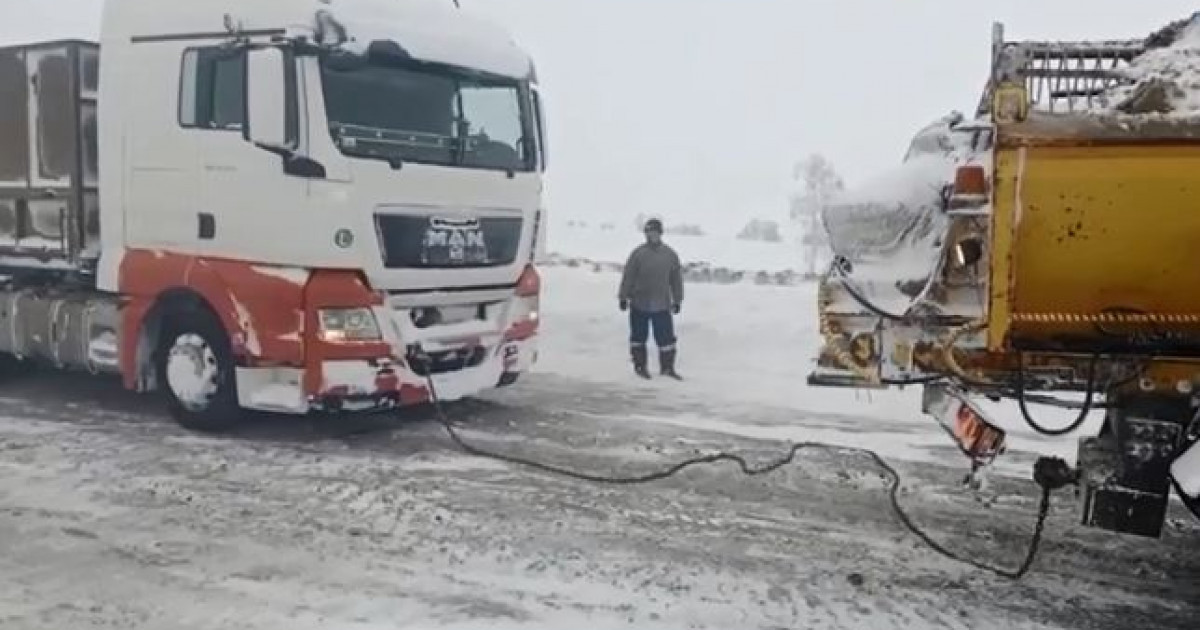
point(640, 323)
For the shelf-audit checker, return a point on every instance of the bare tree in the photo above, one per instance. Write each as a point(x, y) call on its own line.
point(816, 181)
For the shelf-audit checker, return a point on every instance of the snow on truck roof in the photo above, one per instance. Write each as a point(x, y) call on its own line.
point(429, 30)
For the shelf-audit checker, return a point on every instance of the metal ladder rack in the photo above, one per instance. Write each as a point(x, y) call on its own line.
point(1061, 77)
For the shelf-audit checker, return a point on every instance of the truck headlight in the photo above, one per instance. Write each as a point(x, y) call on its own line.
point(349, 324)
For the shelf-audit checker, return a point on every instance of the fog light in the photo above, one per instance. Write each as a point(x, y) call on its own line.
point(426, 317)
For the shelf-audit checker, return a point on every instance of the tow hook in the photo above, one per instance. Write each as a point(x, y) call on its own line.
point(1054, 473)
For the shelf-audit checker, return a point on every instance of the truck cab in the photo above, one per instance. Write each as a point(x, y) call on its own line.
point(297, 205)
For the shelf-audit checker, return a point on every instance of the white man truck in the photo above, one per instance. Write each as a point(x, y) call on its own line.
point(279, 205)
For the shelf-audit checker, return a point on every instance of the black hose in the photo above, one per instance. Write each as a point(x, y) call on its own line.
point(867, 304)
point(1083, 412)
point(837, 269)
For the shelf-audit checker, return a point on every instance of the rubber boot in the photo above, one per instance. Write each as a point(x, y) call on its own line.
point(666, 359)
point(639, 361)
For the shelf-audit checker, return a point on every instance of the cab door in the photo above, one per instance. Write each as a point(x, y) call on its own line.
point(247, 203)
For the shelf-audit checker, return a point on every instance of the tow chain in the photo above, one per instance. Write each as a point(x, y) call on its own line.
point(1050, 474)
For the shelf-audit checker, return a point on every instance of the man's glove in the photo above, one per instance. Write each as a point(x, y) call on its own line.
point(624, 305)
point(675, 309)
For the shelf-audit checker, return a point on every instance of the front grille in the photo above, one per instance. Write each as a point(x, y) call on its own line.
point(430, 242)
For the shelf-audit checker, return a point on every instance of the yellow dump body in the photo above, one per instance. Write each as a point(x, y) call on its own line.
point(1095, 238)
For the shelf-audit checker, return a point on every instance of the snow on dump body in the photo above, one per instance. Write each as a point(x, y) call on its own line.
point(1164, 81)
point(891, 230)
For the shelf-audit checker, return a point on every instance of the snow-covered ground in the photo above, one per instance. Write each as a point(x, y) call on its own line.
point(754, 345)
point(111, 516)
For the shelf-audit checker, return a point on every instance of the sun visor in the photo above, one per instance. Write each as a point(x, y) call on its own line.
point(414, 30)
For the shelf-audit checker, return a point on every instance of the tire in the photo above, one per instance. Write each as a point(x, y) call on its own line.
point(195, 369)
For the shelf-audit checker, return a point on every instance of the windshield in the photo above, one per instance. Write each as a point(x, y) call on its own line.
point(430, 116)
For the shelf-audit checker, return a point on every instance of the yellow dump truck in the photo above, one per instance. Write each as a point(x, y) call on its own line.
point(1045, 251)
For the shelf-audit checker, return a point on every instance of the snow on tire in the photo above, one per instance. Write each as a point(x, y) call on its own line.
point(196, 372)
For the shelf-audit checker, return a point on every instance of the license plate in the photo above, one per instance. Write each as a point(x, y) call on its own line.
point(974, 434)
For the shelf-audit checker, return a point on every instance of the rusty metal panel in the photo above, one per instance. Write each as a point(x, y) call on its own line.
point(1007, 164)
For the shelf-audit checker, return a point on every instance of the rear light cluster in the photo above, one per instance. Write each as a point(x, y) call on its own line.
point(530, 283)
point(972, 192)
point(971, 187)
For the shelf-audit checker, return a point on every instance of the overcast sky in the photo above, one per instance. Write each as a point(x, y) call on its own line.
point(697, 109)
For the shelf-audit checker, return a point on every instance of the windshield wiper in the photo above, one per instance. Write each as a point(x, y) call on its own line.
point(394, 161)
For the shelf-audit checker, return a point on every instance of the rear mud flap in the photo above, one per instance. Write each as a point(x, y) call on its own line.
point(1127, 490)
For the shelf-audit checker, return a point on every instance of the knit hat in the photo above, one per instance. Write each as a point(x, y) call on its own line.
point(654, 225)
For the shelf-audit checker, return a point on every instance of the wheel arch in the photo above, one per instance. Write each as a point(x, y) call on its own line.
point(149, 330)
point(259, 307)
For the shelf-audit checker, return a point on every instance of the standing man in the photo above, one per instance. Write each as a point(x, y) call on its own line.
point(652, 292)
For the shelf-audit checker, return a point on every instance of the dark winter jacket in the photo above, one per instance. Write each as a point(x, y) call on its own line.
point(653, 280)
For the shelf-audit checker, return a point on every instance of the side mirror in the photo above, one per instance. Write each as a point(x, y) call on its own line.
point(267, 99)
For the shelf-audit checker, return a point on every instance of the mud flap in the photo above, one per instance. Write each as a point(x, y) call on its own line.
point(1126, 487)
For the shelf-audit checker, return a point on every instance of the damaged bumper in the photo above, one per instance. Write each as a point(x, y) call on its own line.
point(446, 375)
point(418, 348)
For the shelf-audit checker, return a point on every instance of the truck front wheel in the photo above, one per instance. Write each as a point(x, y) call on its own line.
point(195, 368)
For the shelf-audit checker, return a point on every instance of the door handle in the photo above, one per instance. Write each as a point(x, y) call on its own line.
point(207, 227)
